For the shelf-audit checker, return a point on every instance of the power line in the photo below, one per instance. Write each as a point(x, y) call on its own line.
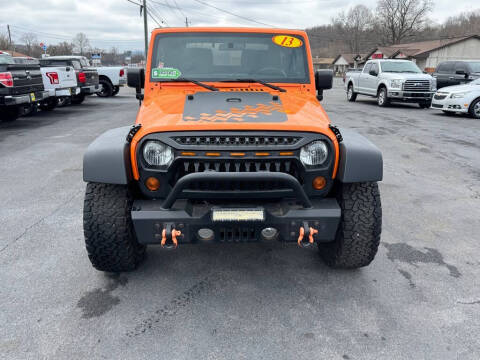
point(233, 14)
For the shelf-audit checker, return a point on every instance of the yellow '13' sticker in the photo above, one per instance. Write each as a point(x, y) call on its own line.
point(287, 41)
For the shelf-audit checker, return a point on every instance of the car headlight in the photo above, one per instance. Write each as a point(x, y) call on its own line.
point(396, 83)
point(315, 153)
point(434, 84)
point(459, 95)
point(157, 154)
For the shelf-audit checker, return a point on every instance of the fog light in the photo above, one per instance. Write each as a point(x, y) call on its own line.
point(269, 234)
point(319, 183)
point(205, 234)
point(152, 184)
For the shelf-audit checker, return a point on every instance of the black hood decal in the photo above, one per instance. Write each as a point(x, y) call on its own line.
point(234, 106)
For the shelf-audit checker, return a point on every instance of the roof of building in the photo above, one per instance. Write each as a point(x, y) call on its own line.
point(319, 60)
point(350, 58)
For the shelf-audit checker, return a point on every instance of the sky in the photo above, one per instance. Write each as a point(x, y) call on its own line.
point(109, 23)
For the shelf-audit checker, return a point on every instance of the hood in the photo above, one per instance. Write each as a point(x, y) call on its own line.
point(459, 88)
point(232, 110)
point(406, 76)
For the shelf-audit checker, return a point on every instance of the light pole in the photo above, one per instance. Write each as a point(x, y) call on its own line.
point(145, 27)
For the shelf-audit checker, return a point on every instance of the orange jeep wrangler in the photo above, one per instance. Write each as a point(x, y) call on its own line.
point(231, 144)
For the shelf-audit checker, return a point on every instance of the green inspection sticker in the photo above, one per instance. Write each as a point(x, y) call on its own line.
point(166, 73)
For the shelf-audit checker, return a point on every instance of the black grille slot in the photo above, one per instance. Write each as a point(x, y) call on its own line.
point(416, 85)
point(288, 166)
point(237, 140)
point(236, 234)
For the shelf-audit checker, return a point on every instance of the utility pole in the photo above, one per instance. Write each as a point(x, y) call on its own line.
point(9, 36)
point(145, 27)
point(186, 21)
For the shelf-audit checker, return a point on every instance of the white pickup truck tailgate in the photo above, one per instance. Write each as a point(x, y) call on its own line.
point(57, 78)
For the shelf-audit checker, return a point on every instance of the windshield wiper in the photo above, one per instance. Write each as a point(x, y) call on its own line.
point(264, 83)
point(196, 82)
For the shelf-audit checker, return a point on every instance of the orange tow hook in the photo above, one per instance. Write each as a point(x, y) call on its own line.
point(174, 234)
point(310, 232)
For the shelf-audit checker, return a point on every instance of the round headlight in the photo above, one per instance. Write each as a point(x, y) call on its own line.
point(157, 154)
point(315, 153)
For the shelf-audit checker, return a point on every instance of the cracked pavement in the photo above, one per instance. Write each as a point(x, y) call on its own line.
point(419, 299)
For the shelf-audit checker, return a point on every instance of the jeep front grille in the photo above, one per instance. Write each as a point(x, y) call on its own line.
point(237, 140)
point(416, 85)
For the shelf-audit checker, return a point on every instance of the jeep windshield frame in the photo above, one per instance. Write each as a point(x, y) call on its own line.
point(227, 57)
point(399, 67)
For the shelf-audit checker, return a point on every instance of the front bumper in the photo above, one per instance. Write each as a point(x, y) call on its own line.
point(91, 89)
point(409, 96)
point(25, 98)
point(149, 221)
point(448, 104)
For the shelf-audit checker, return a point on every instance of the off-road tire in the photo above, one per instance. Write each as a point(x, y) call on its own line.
point(358, 234)
point(116, 90)
point(108, 228)
point(49, 104)
point(9, 113)
point(77, 99)
point(107, 88)
point(474, 109)
point(382, 97)
point(351, 95)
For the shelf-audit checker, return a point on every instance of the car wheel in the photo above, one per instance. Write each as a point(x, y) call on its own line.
point(351, 95)
point(474, 109)
point(116, 90)
point(382, 98)
point(107, 88)
point(49, 104)
point(108, 228)
point(9, 113)
point(77, 99)
point(358, 235)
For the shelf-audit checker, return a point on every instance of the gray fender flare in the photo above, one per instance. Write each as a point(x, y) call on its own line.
point(107, 159)
point(360, 160)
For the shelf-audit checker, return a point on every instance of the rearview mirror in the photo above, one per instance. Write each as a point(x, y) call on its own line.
point(323, 81)
point(136, 79)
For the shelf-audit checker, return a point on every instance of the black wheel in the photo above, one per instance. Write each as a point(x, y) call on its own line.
point(77, 99)
point(425, 105)
point(49, 104)
point(9, 113)
point(358, 234)
point(474, 109)
point(351, 95)
point(449, 113)
point(116, 90)
point(107, 88)
point(108, 228)
point(382, 97)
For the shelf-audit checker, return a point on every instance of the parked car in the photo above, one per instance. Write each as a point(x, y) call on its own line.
point(460, 98)
point(59, 81)
point(20, 86)
point(449, 73)
point(350, 70)
point(111, 78)
point(241, 152)
point(87, 78)
point(391, 81)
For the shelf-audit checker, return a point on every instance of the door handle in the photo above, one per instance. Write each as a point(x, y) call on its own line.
point(451, 77)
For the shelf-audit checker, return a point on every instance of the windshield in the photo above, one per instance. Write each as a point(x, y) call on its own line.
point(6, 59)
point(475, 66)
point(227, 56)
point(400, 67)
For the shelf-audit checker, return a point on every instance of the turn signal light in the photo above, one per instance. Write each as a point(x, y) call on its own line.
point(319, 183)
point(152, 183)
point(212, 154)
point(187, 153)
point(262, 154)
point(6, 79)
point(82, 77)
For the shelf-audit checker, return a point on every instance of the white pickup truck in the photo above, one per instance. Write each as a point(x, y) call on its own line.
point(391, 81)
point(111, 78)
point(59, 81)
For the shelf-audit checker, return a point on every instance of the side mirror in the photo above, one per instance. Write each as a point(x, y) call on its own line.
point(136, 79)
point(373, 73)
point(323, 81)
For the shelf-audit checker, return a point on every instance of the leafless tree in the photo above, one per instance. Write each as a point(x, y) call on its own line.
point(398, 19)
point(30, 43)
point(4, 43)
point(81, 43)
point(63, 48)
point(352, 26)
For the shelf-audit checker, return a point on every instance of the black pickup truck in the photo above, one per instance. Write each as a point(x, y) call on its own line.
point(21, 86)
point(87, 78)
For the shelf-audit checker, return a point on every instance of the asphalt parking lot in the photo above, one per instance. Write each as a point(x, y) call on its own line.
point(419, 299)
